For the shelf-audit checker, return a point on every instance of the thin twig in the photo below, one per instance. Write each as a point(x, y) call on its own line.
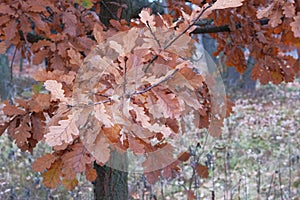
point(156, 84)
point(190, 26)
point(11, 65)
point(178, 36)
point(125, 76)
point(152, 33)
point(110, 12)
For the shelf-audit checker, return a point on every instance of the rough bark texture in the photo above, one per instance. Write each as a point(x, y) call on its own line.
point(111, 184)
point(4, 77)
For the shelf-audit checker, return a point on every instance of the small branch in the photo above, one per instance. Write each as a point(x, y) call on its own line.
point(154, 36)
point(190, 26)
point(218, 29)
point(156, 84)
point(150, 62)
point(11, 64)
point(125, 77)
point(110, 12)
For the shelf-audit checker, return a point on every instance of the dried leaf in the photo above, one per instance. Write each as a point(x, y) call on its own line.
point(43, 163)
point(167, 103)
point(77, 158)
point(101, 150)
point(63, 133)
point(147, 18)
point(51, 178)
point(22, 132)
point(12, 110)
point(69, 184)
point(296, 25)
point(202, 171)
point(57, 93)
point(100, 114)
point(90, 174)
point(75, 57)
point(222, 4)
point(38, 126)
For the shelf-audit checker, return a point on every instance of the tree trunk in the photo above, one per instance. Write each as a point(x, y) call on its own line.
point(4, 77)
point(111, 184)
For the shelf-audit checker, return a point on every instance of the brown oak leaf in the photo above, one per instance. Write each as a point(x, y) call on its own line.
point(43, 163)
point(52, 177)
point(64, 132)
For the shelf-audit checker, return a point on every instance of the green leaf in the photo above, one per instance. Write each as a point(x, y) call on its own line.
point(37, 88)
point(87, 4)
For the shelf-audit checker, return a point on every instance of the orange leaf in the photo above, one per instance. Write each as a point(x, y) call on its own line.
point(43, 163)
point(90, 174)
point(51, 178)
point(70, 184)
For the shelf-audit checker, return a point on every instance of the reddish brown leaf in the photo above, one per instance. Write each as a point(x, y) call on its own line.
point(202, 171)
point(3, 127)
point(10, 30)
point(135, 145)
point(39, 102)
point(38, 125)
point(77, 158)
point(190, 195)
point(152, 177)
point(51, 178)
point(43, 163)
point(22, 132)
point(12, 110)
point(184, 156)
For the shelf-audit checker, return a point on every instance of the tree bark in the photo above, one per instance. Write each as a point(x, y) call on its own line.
point(4, 77)
point(111, 184)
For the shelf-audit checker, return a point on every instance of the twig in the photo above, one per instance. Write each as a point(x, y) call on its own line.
point(110, 12)
point(270, 187)
point(125, 76)
point(177, 37)
point(11, 65)
point(152, 33)
point(156, 84)
point(190, 26)
point(280, 183)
